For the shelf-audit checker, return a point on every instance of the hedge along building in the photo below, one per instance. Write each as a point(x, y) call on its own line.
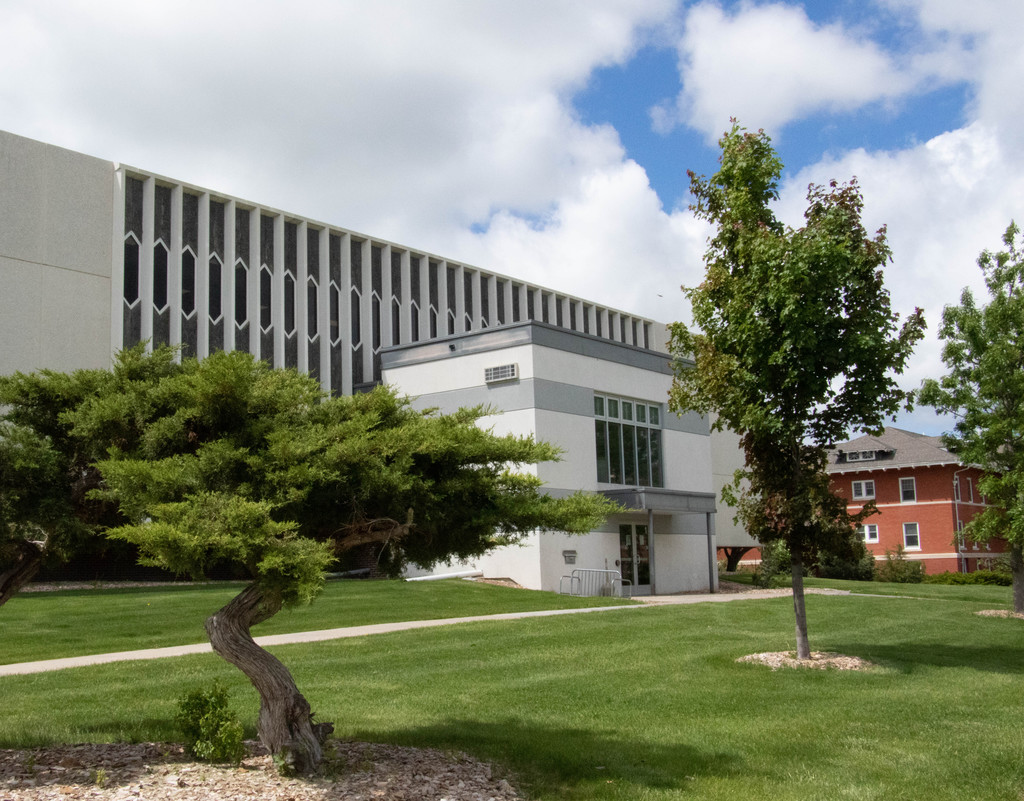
point(97, 256)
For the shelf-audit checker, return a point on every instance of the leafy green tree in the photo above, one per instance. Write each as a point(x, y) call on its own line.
point(243, 464)
point(797, 345)
point(984, 389)
point(46, 472)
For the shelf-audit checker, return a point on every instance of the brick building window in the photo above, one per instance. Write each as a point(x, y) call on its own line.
point(863, 490)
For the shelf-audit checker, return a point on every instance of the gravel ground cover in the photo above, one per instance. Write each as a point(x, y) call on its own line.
point(162, 772)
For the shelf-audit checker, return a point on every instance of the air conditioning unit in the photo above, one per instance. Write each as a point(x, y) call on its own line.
point(503, 372)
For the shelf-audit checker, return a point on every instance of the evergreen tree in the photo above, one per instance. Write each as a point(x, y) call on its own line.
point(239, 463)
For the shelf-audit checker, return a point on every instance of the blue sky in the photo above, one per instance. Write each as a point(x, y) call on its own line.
point(550, 139)
point(622, 96)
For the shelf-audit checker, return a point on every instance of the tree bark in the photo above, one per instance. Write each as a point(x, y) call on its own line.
point(1017, 570)
point(733, 557)
point(26, 559)
point(286, 725)
point(803, 647)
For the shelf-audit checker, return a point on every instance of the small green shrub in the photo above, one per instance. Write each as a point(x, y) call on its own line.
point(898, 569)
point(835, 567)
point(850, 561)
point(212, 733)
point(989, 577)
point(776, 565)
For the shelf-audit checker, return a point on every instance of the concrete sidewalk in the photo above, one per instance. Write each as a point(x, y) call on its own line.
point(46, 665)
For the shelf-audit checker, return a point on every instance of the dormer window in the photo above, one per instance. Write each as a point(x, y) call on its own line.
point(860, 456)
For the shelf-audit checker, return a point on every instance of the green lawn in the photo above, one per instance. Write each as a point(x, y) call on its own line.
point(643, 703)
point(983, 594)
point(47, 625)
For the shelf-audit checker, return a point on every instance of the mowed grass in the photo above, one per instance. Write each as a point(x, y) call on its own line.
point(992, 596)
point(49, 625)
point(644, 703)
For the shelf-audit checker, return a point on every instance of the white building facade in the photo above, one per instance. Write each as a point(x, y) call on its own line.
point(96, 256)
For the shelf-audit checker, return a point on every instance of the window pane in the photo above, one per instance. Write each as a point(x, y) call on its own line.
point(643, 454)
point(863, 489)
point(188, 282)
point(657, 479)
point(289, 304)
point(311, 296)
point(265, 298)
point(629, 454)
point(614, 453)
point(159, 277)
point(241, 294)
point(633, 447)
point(131, 271)
point(908, 491)
point(601, 448)
point(911, 537)
point(214, 287)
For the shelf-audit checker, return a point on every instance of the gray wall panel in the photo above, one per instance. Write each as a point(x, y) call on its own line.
point(545, 395)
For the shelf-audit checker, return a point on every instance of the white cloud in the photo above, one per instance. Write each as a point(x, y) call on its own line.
point(379, 115)
point(770, 63)
point(989, 32)
point(610, 242)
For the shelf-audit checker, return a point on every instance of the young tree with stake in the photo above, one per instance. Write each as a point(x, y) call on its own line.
point(797, 344)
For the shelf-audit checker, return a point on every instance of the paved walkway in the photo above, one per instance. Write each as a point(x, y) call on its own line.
point(378, 628)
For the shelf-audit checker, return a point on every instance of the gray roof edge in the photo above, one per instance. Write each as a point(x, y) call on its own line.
point(527, 332)
point(662, 500)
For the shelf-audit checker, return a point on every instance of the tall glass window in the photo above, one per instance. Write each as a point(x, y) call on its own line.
point(131, 302)
point(627, 439)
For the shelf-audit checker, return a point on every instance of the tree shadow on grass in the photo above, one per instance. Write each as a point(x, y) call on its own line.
point(905, 657)
point(568, 760)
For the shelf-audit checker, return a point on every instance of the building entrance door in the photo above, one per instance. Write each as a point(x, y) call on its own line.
point(635, 557)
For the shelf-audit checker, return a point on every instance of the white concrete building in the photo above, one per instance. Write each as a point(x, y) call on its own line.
point(96, 256)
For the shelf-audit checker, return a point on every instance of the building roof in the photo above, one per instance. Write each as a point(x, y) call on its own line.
point(894, 448)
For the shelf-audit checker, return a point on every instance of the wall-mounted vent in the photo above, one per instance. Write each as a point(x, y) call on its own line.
point(503, 372)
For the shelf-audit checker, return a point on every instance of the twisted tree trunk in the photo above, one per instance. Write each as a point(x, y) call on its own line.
point(286, 725)
point(19, 562)
point(803, 646)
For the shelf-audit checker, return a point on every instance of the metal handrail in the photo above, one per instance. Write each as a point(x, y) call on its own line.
point(586, 582)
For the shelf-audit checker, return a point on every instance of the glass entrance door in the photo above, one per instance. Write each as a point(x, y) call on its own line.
point(635, 558)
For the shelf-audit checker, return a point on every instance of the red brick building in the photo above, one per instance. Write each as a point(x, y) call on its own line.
point(923, 494)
